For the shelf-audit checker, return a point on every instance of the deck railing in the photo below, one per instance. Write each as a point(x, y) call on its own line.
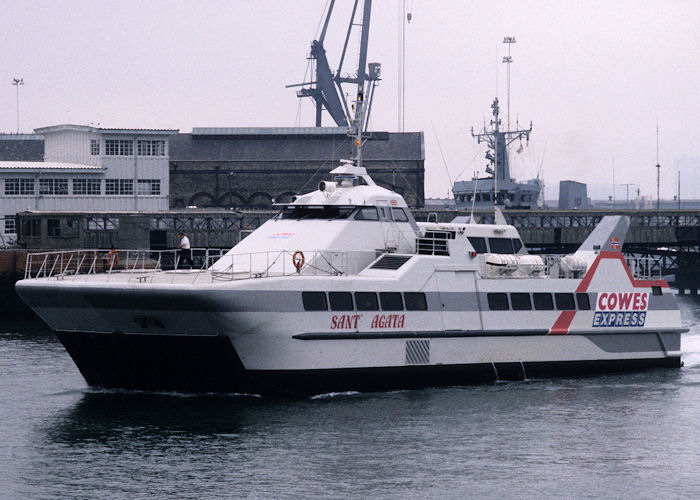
point(62, 263)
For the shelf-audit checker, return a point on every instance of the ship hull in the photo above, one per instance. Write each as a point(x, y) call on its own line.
point(212, 364)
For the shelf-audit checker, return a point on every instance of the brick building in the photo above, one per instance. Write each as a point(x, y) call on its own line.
point(249, 167)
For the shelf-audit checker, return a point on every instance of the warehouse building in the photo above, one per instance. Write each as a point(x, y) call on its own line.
point(86, 169)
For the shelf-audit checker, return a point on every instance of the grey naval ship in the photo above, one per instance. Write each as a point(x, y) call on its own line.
point(497, 187)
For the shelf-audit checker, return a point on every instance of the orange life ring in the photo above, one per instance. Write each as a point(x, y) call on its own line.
point(112, 255)
point(298, 260)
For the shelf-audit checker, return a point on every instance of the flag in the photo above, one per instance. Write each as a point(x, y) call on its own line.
point(520, 149)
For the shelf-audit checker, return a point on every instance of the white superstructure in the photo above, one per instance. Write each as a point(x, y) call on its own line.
point(343, 290)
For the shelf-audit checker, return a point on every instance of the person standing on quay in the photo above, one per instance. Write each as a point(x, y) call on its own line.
point(184, 250)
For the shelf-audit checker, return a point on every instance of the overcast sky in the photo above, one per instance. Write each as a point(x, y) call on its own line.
point(593, 76)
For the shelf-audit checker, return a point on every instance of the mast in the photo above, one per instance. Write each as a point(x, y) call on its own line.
point(497, 142)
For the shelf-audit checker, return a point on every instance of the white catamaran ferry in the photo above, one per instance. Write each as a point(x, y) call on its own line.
point(344, 290)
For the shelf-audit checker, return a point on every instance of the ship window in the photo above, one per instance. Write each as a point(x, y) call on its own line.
point(543, 301)
point(314, 301)
point(517, 245)
point(366, 301)
point(415, 301)
point(399, 215)
point(497, 301)
point(520, 301)
point(583, 303)
point(391, 301)
point(367, 213)
point(500, 245)
point(478, 243)
point(340, 301)
point(315, 212)
point(565, 301)
point(656, 290)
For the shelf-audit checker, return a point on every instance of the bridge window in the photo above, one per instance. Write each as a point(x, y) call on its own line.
point(520, 301)
point(478, 243)
point(314, 301)
point(565, 301)
point(543, 301)
point(498, 301)
point(415, 301)
point(366, 301)
point(391, 301)
point(399, 215)
point(306, 212)
point(340, 301)
point(367, 213)
point(501, 245)
point(517, 245)
point(583, 303)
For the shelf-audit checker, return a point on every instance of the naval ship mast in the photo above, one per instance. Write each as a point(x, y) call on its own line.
point(497, 141)
point(497, 188)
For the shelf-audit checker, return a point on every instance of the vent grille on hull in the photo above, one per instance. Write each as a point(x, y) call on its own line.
point(418, 352)
point(391, 262)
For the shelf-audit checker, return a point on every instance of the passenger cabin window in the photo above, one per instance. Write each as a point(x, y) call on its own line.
point(415, 301)
point(314, 301)
point(656, 290)
point(498, 301)
point(391, 301)
point(543, 301)
point(565, 301)
point(366, 301)
point(520, 301)
point(367, 213)
point(399, 215)
point(478, 243)
point(500, 245)
point(583, 303)
point(340, 301)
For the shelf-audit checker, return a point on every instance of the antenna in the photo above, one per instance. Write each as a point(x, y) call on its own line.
point(658, 167)
point(509, 40)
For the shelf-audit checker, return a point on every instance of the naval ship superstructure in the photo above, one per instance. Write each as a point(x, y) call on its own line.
point(498, 188)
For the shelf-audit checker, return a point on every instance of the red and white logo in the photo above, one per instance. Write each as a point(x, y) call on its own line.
point(615, 243)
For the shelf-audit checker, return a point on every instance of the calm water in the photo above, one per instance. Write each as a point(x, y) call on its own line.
point(622, 436)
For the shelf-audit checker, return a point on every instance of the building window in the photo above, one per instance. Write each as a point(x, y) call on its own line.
point(87, 186)
point(119, 186)
point(119, 147)
point(19, 186)
point(151, 148)
point(10, 224)
point(149, 187)
point(95, 147)
point(53, 186)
